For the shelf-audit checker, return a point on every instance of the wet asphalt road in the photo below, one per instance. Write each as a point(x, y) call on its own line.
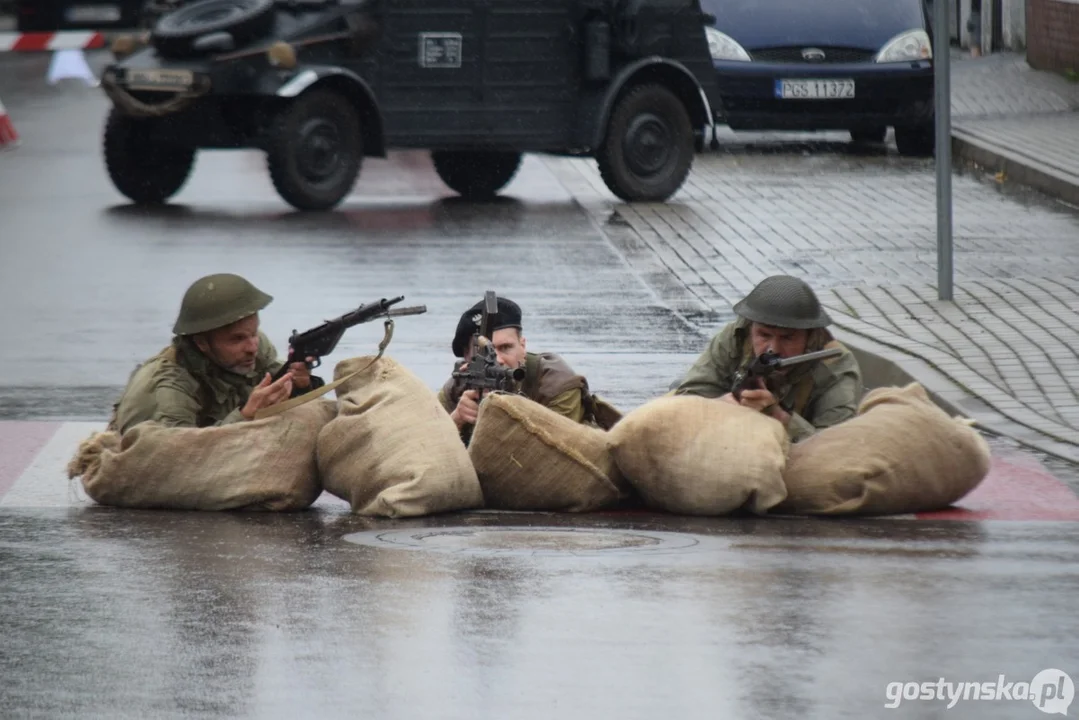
point(117, 614)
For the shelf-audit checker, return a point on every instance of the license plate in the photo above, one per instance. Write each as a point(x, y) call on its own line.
point(93, 13)
point(814, 89)
point(164, 80)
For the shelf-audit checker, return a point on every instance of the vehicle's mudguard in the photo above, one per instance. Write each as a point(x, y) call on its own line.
point(596, 111)
point(306, 77)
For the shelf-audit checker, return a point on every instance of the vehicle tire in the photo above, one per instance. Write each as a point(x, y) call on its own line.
point(476, 175)
point(916, 140)
point(141, 168)
point(315, 150)
point(648, 148)
point(869, 136)
point(245, 20)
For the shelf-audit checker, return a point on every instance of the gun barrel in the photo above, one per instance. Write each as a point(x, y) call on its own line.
point(413, 310)
point(809, 357)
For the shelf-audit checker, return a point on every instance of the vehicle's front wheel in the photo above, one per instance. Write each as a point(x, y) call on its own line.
point(315, 150)
point(142, 168)
point(648, 148)
point(476, 175)
point(916, 140)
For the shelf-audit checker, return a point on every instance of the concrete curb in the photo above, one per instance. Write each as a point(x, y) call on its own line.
point(1020, 168)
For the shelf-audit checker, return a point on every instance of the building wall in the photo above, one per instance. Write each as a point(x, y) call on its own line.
point(1053, 34)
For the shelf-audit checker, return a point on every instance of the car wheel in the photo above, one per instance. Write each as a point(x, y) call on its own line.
point(916, 141)
point(648, 148)
point(315, 150)
point(869, 136)
point(140, 167)
point(245, 20)
point(476, 175)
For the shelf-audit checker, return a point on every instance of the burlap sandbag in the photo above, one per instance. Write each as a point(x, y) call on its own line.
point(701, 456)
point(264, 465)
point(900, 454)
point(528, 457)
point(393, 450)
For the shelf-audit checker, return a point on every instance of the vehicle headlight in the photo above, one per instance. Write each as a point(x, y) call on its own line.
point(723, 47)
point(905, 47)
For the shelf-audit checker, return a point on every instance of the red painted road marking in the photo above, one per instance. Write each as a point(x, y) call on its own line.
point(51, 41)
point(1014, 490)
point(20, 442)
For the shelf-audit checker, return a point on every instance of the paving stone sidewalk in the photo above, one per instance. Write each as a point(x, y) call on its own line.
point(863, 231)
point(1021, 122)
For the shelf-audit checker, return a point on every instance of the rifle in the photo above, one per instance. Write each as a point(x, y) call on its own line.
point(321, 340)
point(767, 363)
point(483, 371)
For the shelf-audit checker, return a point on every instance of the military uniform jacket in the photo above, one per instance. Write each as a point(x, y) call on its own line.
point(818, 395)
point(182, 387)
point(549, 380)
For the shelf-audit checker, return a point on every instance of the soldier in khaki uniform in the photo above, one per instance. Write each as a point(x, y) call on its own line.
point(782, 314)
point(218, 368)
point(549, 380)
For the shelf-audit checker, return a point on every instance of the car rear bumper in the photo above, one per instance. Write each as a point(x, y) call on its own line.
point(885, 95)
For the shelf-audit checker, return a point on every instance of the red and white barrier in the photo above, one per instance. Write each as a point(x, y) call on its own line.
point(8, 137)
point(48, 41)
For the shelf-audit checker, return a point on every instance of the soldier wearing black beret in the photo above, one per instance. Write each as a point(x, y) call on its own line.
point(549, 380)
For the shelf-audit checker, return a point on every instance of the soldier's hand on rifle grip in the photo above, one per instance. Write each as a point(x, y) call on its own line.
point(467, 409)
point(301, 372)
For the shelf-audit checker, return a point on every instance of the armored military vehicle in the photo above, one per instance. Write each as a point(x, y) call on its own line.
point(319, 85)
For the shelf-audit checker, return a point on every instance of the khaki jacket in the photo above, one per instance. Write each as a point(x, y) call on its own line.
point(817, 395)
point(181, 387)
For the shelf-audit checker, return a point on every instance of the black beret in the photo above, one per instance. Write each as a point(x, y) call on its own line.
point(508, 316)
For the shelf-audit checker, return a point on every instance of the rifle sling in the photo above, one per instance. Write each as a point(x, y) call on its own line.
point(315, 394)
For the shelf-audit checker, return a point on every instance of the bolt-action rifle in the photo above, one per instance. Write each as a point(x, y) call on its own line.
point(764, 365)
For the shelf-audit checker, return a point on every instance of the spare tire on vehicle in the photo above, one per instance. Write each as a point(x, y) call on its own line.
point(246, 20)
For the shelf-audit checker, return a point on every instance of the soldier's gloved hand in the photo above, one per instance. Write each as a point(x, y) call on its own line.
point(267, 393)
point(467, 408)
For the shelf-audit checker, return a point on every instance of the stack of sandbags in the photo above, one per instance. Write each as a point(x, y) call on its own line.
point(393, 450)
point(528, 457)
point(264, 465)
point(700, 456)
point(900, 454)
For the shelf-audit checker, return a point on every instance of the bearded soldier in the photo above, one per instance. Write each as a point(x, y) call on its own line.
point(218, 368)
point(548, 379)
point(781, 314)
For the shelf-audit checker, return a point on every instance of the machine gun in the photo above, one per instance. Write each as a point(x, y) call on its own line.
point(483, 371)
point(321, 340)
point(767, 363)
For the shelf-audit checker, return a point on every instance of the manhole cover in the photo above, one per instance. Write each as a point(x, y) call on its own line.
point(528, 540)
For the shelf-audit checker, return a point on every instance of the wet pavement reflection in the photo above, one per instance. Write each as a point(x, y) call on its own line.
point(144, 614)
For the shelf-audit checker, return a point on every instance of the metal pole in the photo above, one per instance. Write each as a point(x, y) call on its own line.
point(943, 114)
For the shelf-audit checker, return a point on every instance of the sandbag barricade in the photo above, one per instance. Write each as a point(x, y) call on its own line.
point(700, 456)
point(900, 454)
point(392, 450)
point(528, 457)
point(262, 465)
